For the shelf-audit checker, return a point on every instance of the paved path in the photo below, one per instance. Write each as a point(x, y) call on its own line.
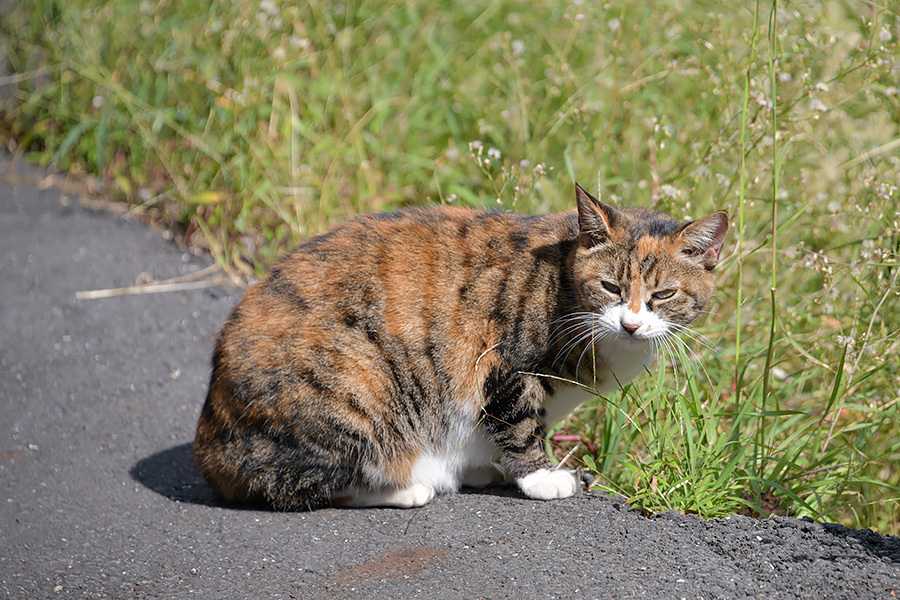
point(99, 497)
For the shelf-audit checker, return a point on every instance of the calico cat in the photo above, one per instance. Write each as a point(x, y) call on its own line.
point(404, 354)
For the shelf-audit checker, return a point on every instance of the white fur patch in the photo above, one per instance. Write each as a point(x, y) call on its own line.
point(417, 494)
point(466, 449)
point(627, 356)
point(545, 484)
point(563, 402)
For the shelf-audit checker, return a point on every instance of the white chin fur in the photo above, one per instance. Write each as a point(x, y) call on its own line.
point(651, 326)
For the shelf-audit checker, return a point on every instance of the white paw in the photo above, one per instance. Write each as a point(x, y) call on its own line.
point(418, 494)
point(545, 484)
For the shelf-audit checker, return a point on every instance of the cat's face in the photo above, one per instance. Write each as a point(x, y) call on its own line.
point(642, 274)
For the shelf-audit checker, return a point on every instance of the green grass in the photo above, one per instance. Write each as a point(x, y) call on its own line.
point(255, 124)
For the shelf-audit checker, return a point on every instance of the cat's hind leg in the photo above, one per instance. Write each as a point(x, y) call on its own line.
point(483, 476)
point(412, 496)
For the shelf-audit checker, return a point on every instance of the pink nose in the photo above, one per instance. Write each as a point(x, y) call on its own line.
point(630, 327)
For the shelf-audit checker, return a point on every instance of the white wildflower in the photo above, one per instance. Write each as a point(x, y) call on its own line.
point(885, 34)
point(518, 47)
point(667, 190)
point(817, 105)
point(494, 153)
point(269, 7)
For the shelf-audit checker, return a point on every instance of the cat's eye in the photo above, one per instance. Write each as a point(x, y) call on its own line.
point(611, 287)
point(664, 294)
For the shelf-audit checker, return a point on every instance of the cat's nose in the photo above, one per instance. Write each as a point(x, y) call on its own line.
point(630, 325)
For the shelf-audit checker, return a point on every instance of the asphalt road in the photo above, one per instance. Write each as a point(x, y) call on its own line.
point(99, 497)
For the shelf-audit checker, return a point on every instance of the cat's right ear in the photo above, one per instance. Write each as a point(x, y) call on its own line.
point(595, 219)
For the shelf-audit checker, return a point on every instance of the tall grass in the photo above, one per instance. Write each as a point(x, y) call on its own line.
point(254, 124)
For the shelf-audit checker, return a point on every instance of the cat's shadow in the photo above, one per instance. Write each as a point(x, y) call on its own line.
point(172, 473)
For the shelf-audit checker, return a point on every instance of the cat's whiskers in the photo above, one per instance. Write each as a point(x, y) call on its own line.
point(696, 336)
point(695, 358)
point(569, 322)
point(584, 338)
point(596, 336)
point(585, 324)
point(669, 352)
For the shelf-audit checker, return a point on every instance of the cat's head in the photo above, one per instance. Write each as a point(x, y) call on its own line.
point(641, 273)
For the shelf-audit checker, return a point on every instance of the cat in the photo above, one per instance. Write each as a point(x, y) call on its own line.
point(405, 354)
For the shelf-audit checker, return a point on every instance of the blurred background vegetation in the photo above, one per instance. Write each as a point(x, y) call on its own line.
point(247, 126)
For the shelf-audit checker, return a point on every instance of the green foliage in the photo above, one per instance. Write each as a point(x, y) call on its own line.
point(259, 123)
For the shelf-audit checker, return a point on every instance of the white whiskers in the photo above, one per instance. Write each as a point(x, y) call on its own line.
point(585, 331)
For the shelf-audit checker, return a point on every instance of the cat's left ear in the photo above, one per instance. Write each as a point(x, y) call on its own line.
point(703, 239)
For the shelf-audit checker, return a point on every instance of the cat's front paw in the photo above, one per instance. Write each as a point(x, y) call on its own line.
point(545, 484)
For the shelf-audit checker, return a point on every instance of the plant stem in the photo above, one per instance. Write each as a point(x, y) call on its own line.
point(745, 101)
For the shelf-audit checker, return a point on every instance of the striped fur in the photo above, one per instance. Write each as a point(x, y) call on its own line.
point(405, 354)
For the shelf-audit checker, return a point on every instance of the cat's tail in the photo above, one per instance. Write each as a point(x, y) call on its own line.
point(259, 465)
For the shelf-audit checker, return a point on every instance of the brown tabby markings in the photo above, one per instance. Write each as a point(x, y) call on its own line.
point(398, 349)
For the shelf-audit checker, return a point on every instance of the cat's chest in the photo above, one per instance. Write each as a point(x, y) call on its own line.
point(613, 368)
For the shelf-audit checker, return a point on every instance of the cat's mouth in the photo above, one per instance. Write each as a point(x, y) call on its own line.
point(637, 338)
point(633, 339)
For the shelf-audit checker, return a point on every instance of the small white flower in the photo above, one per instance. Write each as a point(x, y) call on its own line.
point(817, 105)
point(279, 53)
point(98, 101)
point(476, 146)
point(614, 25)
point(518, 47)
point(885, 34)
point(669, 191)
point(269, 7)
point(494, 153)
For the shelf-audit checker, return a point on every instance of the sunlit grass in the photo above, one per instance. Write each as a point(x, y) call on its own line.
point(257, 124)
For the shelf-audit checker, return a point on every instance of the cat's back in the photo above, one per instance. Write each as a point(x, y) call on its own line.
point(418, 290)
point(401, 264)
